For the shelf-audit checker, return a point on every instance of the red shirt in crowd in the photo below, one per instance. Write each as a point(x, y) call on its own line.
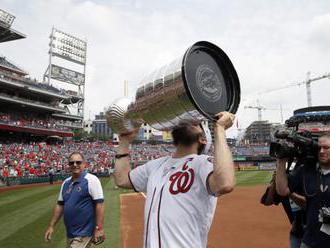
point(5, 172)
point(19, 173)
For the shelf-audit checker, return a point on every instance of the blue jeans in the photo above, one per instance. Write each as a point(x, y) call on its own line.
point(294, 241)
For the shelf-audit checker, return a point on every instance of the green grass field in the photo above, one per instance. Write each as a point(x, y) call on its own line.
point(25, 213)
point(251, 178)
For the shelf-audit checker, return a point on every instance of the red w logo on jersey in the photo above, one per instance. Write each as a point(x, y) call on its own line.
point(181, 181)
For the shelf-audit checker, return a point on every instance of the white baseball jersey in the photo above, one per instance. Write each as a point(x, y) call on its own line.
point(179, 207)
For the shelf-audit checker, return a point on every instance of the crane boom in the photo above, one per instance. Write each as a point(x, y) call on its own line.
point(307, 82)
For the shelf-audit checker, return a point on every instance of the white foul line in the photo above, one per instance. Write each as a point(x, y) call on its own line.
point(143, 194)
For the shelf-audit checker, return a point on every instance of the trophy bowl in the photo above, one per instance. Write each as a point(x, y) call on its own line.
point(195, 87)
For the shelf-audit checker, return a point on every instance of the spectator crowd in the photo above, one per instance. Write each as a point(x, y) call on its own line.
point(36, 159)
point(21, 120)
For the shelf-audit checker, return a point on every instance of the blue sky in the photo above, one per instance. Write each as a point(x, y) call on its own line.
point(271, 43)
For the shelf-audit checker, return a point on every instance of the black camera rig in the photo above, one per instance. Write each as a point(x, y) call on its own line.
point(301, 147)
point(299, 144)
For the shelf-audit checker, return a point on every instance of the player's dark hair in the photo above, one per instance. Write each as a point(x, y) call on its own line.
point(77, 153)
point(185, 133)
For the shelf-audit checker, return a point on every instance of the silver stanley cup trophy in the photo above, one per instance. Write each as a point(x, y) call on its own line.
point(196, 86)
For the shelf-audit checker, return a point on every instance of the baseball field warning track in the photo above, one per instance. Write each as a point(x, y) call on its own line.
point(239, 221)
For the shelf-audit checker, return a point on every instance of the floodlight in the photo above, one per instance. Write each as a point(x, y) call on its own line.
point(6, 18)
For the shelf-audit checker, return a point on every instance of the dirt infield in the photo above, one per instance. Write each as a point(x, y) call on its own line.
point(240, 221)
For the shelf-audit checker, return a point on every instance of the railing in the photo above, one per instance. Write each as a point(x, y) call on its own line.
point(29, 82)
point(10, 181)
point(69, 124)
point(31, 102)
point(35, 85)
point(27, 125)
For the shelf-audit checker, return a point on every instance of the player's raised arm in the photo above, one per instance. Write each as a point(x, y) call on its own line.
point(122, 165)
point(222, 180)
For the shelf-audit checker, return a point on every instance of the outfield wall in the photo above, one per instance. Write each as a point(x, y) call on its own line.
point(10, 181)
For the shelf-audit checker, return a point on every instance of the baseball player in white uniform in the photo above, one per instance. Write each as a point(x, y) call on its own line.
point(181, 189)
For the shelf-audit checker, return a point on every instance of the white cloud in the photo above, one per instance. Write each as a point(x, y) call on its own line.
point(320, 35)
point(271, 43)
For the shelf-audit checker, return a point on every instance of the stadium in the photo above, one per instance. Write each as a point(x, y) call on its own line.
point(39, 123)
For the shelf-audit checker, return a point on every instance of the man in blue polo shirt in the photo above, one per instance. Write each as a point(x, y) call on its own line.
point(312, 181)
point(81, 202)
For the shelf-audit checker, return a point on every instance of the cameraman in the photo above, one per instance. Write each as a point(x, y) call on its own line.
point(294, 209)
point(313, 182)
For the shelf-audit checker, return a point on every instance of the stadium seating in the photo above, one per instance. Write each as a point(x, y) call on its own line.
point(32, 121)
point(29, 163)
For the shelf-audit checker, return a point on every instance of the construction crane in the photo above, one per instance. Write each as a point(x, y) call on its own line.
point(125, 88)
point(261, 108)
point(307, 82)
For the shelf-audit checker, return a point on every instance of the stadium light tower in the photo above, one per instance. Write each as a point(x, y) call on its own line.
point(71, 53)
point(6, 32)
point(6, 19)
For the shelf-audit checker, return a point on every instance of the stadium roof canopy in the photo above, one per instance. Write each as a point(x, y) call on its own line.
point(10, 66)
point(8, 34)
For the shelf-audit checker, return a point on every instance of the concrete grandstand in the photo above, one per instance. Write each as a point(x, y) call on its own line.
point(29, 108)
